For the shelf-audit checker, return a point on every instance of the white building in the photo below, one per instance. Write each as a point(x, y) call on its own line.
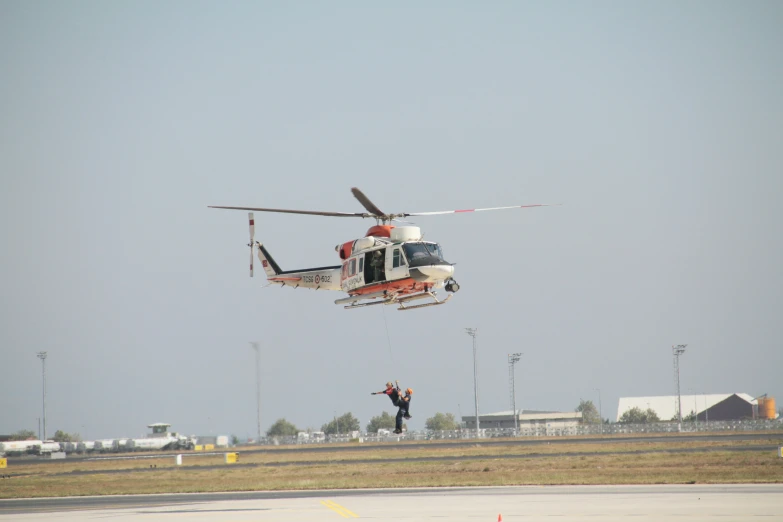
point(527, 420)
point(717, 406)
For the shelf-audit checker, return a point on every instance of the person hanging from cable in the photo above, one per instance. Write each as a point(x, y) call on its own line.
point(405, 403)
point(404, 410)
point(392, 391)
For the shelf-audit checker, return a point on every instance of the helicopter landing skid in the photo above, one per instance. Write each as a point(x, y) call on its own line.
point(425, 295)
point(362, 305)
point(402, 301)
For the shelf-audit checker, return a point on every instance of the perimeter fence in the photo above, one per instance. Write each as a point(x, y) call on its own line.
point(551, 431)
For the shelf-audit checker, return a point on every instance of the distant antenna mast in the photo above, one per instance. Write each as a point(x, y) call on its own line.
point(513, 358)
point(473, 332)
point(42, 356)
point(677, 351)
point(255, 346)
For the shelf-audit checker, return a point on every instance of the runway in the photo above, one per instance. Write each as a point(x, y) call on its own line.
point(694, 503)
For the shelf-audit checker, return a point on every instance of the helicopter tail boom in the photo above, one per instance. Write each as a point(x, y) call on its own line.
point(325, 277)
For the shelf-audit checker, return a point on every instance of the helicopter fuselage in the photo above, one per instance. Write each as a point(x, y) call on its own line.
point(393, 269)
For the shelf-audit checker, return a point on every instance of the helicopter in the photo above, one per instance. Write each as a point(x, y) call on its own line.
point(390, 265)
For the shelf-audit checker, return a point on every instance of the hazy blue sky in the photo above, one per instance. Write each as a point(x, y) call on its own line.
point(656, 124)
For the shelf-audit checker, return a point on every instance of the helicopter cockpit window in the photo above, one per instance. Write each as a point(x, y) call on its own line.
point(417, 250)
point(352, 269)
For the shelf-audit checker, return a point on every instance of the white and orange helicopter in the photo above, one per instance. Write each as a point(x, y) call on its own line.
point(390, 265)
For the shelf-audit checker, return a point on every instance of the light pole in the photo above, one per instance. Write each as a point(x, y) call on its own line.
point(695, 407)
point(600, 411)
point(513, 358)
point(677, 351)
point(42, 356)
point(473, 332)
point(258, 386)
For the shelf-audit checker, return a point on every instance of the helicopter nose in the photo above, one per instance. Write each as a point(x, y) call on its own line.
point(432, 272)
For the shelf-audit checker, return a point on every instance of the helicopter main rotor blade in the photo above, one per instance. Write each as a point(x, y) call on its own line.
point(307, 212)
point(474, 210)
point(369, 205)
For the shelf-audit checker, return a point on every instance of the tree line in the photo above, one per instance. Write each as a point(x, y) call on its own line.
point(347, 423)
point(59, 436)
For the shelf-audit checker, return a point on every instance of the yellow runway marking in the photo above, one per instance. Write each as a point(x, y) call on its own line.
point(337, 508)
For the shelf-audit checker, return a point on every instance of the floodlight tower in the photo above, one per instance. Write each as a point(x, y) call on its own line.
point(473, 332)
point(42, 356)
point(513, 358)
point(677, 351)
point(258, 386)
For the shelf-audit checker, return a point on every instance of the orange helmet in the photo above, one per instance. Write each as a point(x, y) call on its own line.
point(409, 391)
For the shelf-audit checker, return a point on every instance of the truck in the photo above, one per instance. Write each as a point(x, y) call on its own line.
point(18, 447)
point(46, 447)
point(162, 439)
point(151, 444)
point(107, 445)
point(85, 446)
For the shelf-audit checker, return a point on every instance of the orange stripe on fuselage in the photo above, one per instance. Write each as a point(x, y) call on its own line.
point(400, 286)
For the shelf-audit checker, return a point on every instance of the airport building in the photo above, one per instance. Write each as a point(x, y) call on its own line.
point(712, 407)
point(527, 419)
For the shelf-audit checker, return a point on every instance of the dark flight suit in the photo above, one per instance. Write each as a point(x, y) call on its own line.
point(393, 393)
point(405, 404)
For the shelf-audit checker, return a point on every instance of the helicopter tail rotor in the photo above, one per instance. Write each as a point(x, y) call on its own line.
point(252, 223)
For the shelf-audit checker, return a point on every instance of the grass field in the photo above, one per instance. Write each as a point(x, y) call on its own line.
point(658, 462)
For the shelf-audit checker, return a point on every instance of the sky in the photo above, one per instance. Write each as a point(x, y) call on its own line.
point(656, 125)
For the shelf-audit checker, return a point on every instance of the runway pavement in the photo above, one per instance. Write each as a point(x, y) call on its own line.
point(692, 503)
